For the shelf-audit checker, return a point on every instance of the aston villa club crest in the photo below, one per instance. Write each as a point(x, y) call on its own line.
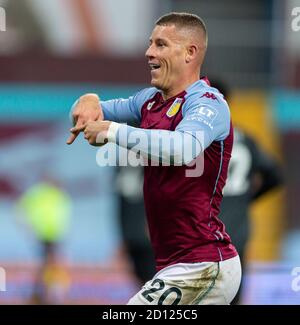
point(175, 107)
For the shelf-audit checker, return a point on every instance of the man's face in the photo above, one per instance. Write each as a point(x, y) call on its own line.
point(166, 57)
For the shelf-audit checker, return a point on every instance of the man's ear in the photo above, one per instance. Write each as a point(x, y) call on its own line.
point(191, 53)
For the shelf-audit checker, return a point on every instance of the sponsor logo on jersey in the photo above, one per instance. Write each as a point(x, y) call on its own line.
point(149, 106)
point(175, 107)
point(205, 114)
point(208, 112)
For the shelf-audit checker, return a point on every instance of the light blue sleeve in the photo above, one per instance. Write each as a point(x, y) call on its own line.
point(206, 118)
point(162, 146)
point(127, 110)
point(204, 121)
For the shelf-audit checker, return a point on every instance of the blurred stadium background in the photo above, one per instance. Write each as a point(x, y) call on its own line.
point(53, 51)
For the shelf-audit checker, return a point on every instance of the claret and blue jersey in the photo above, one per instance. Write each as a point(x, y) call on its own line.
point(182, 211)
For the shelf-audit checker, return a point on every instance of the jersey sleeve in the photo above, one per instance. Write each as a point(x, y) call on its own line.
point(203, 122)
point(207, 119)
point(127, 110)
point(162, 146)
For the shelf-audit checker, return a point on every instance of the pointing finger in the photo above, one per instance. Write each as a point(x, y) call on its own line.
point(72, 138)
point(78, 129)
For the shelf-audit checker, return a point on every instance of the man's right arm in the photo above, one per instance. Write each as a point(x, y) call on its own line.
point(90, 108)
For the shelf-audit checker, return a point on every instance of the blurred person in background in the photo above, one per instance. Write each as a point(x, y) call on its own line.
point(252, 172)
point(195, 260)
point(24, 31)
point(133, 225)
point(46, 212)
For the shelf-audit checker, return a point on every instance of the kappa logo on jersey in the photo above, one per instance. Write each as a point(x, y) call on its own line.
point(173, 110)
point(210, 96)
point(149, 106)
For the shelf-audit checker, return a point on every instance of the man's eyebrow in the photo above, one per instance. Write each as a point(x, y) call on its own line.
point(157, 40)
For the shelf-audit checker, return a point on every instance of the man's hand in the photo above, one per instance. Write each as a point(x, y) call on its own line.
point(87, 109)
point(96, 132)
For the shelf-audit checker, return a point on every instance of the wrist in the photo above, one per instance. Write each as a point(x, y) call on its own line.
point(112, 132)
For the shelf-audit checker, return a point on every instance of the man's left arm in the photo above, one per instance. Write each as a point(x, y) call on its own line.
point(202, 124)
point(207, 119)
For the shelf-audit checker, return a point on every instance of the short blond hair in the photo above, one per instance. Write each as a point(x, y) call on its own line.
point(183, 20)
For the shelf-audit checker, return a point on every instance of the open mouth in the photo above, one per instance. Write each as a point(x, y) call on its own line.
point(154, 66)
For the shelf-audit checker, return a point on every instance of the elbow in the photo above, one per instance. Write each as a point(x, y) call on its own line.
point(188, 152)
point(180, 159)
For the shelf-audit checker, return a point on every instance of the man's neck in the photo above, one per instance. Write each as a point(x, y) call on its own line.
point(167, 94)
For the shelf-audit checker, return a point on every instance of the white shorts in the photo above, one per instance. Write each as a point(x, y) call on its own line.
point(207, 283)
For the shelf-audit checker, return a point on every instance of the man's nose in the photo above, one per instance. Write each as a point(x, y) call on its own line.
point(149, 53)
